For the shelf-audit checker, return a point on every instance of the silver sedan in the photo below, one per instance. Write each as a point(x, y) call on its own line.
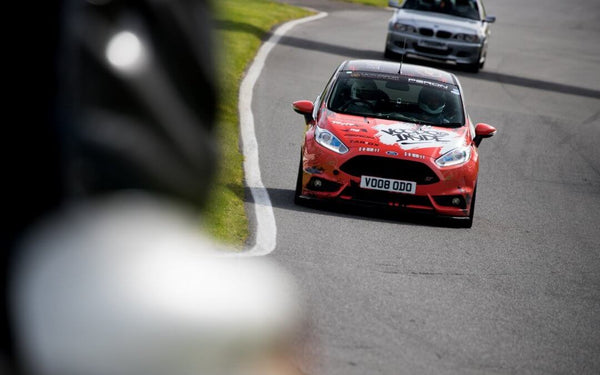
point(449, 30)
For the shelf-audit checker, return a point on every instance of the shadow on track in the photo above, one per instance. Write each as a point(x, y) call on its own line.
point(349, 52)
point(355, 53)
point(284, 199)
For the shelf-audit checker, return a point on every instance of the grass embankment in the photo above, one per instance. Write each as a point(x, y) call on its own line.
point(375, 3)
point(241, 26)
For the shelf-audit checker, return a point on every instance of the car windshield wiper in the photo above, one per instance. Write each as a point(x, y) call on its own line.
point(451, 124)
point(419, 122)
point(344, 112)
point(398, 116)
point(438, 124)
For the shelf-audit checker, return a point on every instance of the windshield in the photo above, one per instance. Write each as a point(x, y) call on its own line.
point(460, 8)
point(397, 98)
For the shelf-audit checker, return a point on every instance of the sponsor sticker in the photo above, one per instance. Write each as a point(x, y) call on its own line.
point(343, 123)
point(428, 83)
point(368, 149)
point(410, 136)
point(413, 155)
point(366, 143)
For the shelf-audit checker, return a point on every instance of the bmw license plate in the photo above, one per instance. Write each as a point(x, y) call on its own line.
point(388, 184)
point(430, 44)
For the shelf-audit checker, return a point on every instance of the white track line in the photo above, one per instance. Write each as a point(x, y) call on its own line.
point(266, 230)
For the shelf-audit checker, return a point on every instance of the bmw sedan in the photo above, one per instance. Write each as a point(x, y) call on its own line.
point(447, 30)
point(391, 135)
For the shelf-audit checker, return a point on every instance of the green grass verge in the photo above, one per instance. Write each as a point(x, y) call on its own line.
point(375, 3)
point(241, 26)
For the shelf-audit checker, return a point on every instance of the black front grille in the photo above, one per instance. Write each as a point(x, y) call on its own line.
point(397, 169)
point(426, 31)
point(385, 197)
point(443, 34)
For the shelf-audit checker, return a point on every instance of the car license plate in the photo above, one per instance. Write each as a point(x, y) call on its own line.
point(388, 184)
point(437, 45)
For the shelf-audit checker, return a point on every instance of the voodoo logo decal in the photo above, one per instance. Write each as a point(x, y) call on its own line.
point(411, 136)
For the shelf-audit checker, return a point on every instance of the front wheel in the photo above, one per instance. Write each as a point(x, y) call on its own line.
point(468, 223)
point(298, 192)
point(476, 66)
point(388, 54)
point(473, 68)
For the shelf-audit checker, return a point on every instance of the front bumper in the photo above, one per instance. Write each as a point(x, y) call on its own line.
point(435, 48)
point(444, 192)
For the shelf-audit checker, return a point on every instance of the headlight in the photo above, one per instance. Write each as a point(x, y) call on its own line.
point(326, 139)
point(470, 38)
point(404, 28)
point(457, 156)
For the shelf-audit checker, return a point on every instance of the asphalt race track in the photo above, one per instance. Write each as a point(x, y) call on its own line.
point(519, 293)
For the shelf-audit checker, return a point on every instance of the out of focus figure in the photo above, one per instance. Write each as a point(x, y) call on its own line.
point(106, 270)
point(126, 284)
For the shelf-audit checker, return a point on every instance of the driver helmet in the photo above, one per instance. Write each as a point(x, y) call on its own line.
point(432, 101)
point(364, 89)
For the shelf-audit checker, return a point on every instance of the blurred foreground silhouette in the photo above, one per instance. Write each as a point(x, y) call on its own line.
point(112, 157)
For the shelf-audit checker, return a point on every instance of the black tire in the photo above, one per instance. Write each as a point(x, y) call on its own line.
point(482, 53)
point(298, 192)
point(473, 68)
point(388, 54)
point(468, 223)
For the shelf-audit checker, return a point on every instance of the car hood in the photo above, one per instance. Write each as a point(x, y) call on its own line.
point(437, 21)
point(394, 138)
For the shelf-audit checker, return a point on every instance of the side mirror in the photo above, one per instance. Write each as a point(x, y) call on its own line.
point(304, 107)
point(394, 4)
point(483, 131)
point(490, 19)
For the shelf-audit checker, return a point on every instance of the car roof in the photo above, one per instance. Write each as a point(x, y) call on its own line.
point(407, 70)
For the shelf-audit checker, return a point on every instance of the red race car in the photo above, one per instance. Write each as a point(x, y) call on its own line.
point(391, 134)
